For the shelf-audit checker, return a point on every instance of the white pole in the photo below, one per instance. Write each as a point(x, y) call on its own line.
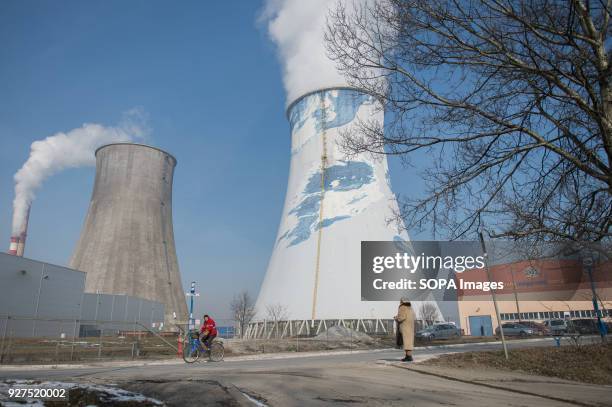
point(501, 331)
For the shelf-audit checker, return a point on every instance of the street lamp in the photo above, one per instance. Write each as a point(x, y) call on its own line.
point(192, 293)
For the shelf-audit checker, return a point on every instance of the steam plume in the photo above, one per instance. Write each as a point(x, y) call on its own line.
point(74, 148)
point(297, 28)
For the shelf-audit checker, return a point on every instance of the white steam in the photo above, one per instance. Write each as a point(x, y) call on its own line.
point(297, 28)
point(74, 148)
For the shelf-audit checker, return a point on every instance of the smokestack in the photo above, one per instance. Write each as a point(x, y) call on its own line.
point(13, 247)
point(17, 246)
point(127, 241)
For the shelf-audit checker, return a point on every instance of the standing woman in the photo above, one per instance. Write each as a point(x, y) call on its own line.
point(405, 318)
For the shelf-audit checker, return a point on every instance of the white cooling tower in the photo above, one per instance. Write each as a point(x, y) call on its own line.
point(332, 204)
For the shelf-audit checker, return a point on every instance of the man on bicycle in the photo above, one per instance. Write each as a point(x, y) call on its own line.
point(208, 331)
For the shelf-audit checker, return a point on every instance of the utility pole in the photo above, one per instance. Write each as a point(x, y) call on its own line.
point(486, 258)
point(518, 309)
point(587, 262)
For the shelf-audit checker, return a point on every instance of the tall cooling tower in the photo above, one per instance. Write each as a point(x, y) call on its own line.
point(127, 242)
point(332, 204)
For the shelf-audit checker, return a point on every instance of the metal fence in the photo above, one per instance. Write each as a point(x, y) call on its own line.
point(73, 340)
point(68, 340)
point(267, 329)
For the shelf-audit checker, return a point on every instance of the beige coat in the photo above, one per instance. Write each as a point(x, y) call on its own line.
point(405, 316)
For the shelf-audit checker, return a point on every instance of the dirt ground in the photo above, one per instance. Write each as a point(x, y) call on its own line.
point(274, 345)
point(586, 363)
point(253, 346)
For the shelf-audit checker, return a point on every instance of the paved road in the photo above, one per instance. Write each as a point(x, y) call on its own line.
point(338, 379)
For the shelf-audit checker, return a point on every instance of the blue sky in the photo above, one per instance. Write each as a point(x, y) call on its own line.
point(209, 81)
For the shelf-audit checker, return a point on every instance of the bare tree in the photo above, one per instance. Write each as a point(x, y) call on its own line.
point(512, 100)
point(275, 314)
point(243, 309)
point(428, 313)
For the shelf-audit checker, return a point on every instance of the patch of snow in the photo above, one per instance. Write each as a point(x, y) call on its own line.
point(108, 393)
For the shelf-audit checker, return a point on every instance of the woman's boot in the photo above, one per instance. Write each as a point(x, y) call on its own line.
point(408, 357)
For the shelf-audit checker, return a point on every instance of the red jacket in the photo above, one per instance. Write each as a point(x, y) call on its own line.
point(209, 326)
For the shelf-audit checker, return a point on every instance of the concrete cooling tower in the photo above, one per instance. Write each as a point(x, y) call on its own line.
point(332, 204)
point(127, 242)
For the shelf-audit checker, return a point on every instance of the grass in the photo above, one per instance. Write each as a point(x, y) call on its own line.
point(586, 363)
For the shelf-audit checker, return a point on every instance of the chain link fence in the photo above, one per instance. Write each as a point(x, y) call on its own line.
point(27, 340)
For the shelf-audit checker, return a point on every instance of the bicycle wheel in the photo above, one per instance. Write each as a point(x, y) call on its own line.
point(191, 350)
point(216, 352)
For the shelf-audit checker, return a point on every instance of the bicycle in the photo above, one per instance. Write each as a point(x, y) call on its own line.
point(193, 349)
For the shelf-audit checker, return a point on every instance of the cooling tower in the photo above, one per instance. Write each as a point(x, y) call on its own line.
point(332, 204)
point(127, 242)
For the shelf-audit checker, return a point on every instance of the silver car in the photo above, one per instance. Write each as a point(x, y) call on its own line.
point(438, 331)
point(556, 326)
point(515, 329)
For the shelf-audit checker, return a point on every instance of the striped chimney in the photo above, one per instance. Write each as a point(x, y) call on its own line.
point(13, 247)
point(17, 246)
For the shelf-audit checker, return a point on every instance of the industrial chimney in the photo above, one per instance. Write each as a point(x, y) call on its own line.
point(332, 204)
point(17, 246)
point(13, 247)
point(127, 242)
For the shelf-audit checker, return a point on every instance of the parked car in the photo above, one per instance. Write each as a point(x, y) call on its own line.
point(538, 327)
point(556, 326)
point(514, 329)
point(438, 331)
point(585, 326)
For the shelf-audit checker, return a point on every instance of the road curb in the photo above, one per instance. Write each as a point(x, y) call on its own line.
point(405, 366)
point(461, 345)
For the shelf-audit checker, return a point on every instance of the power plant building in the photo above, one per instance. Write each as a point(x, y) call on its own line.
point(39, 299)
point(127, 241)
point(541, 289)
